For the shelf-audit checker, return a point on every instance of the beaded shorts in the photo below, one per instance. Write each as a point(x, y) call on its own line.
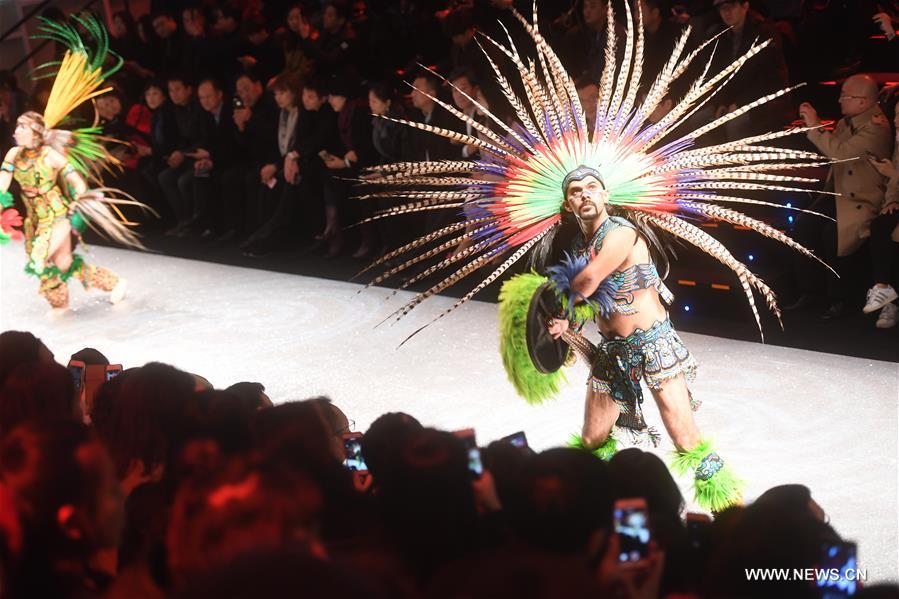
point(654, 355)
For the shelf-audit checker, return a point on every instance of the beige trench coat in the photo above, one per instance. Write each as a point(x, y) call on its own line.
point(860, 187)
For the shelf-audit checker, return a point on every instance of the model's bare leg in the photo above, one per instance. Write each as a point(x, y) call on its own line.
point(673, 400)
point(600, 414)
point(60, 250)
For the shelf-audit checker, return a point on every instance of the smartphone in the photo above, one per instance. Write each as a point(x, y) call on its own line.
point(697, 529)
point(352, 447)
point(112, 371)
point(837, 570)
point(517, 439)
point(76, 367)
point(474, 454)
point(632, 528)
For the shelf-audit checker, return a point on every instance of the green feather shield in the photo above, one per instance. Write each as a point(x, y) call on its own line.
point(514, 303)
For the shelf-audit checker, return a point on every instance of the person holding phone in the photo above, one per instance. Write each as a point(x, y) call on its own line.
point(863, 133)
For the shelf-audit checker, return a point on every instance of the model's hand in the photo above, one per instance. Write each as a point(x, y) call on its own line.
point(351, 156)
point(557, 326)
point(809, 115)
point(883, 21)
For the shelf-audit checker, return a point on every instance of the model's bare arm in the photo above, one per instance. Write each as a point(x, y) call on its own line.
point(615, 249)
point(6, 176)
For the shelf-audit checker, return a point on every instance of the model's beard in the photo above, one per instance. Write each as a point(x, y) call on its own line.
point(595, 215)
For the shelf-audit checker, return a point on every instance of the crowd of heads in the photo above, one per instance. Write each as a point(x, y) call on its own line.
point(155, 484)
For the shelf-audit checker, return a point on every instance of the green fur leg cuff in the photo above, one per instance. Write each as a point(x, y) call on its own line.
point(50, 272)
point(603, 452)
point(715, 485)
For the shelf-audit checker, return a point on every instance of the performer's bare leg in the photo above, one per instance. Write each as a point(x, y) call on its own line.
point(673, 400)
point(60, 250)
point(600, 414)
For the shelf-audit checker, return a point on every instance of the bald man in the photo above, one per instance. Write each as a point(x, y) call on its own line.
point(863, 132)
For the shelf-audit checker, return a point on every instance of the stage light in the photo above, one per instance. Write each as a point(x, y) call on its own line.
point(751, 257)
point(687, 308)
point(789, 204)
point(789, 219)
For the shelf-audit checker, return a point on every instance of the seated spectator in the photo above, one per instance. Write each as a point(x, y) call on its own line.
point(465, 89)
point(227, 44)
point(588, 94)
point(177, 178)
point(169, 49)
point(859, 187)
point(583, 47)
point(884, 236)
point(256, 118)
point(335, 48)
point(765, 74)
point(298, 29)
point(214, 156)
point(68, 509)
point(661, 35)
point(355, 153)
point(303, 175)
point(197, 47)
point(163, 140)
point(260, 52)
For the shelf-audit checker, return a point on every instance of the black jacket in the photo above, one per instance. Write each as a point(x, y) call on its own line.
point(423, 145)
point(219, 139)
point(316, 131)
point(257, 144)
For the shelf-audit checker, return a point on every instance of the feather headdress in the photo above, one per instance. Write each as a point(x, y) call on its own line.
point(659, 182)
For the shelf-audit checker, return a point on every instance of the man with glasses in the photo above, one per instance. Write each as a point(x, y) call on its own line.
point(862, 133)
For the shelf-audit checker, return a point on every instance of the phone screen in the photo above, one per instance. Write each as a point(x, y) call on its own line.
point(838, 570)
point(517, 439)
point(112, 372)
point(474, 454)
point(632, 527)
point(353, 460)
point(77, 377)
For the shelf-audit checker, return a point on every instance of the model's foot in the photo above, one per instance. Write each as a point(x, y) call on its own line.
point(878, 297)
point(889, 317)
point(118, 292)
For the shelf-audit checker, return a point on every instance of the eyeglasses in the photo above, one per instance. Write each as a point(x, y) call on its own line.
point(351, 424)
point(845, 96)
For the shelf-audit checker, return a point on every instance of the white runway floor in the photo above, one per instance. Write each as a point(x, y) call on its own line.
point(780, 415)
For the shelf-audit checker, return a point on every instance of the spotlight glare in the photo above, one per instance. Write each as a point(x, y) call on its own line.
point(751, 257)
point(790, 219)
point(686, 308)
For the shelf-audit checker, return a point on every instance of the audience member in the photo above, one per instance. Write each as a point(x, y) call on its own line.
point(859, 188)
